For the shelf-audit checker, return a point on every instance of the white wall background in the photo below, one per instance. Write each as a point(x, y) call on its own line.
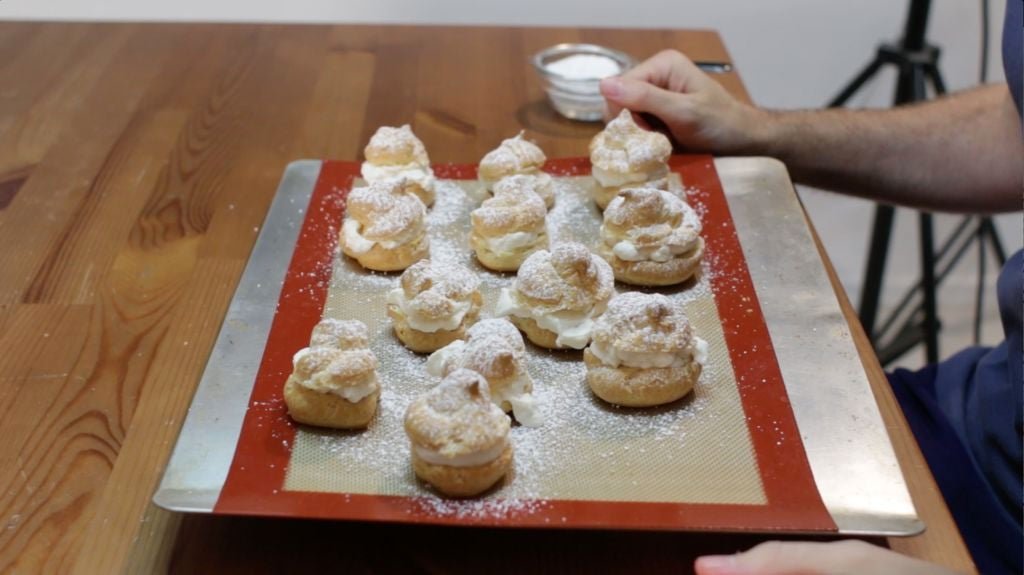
point(791, 54)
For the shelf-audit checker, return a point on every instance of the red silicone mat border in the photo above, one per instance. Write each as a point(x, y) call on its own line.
point(255, 480)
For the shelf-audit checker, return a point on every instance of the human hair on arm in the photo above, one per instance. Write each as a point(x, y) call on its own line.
point(960, 153)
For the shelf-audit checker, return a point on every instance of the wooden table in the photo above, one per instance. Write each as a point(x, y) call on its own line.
point(136, 165)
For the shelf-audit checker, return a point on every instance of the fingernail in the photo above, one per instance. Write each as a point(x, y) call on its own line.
point(612, 88)
point(716, 565)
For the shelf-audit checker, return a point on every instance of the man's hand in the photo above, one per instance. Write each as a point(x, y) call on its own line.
point(800, 558)
point(962, 152)
point(698, 112)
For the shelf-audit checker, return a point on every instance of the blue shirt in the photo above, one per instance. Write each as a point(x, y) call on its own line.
point(1012, 49)
point(979, 390)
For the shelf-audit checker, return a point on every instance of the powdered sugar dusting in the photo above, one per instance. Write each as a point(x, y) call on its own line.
point(510, 210)
point(585, 449)
point(396, 146)
point(451, 211)
point(515, 155)
point(584, 67)
point(623, 147)
point(644, 323)
point(652, 219)
point(385, 210)
point(437, 279)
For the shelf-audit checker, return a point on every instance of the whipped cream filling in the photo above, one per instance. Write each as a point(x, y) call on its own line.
point(354, 241)
point(504, 392)
point(422, 176)
point(527, 410)
point(543, 184)
point(300, 355)
point(355, 393)
point(506, 304)
point(609, 178)
point(700, 351)
point(513, 171)
point(628, 251)
point(320, 382)
point(515, 394)
point(510, 243)
point(650, 360)
point(359, 244)
point(434, 457)
point(545, 187)
point(572, 328)
point(416, 321)
point(439, 360)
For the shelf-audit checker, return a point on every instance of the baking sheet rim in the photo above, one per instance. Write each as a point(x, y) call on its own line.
point(188, 488)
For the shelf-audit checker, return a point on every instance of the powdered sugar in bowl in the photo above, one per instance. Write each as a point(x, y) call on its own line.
point(572, 74)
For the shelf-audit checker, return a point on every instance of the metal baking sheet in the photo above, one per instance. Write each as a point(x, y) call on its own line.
point(849, 453)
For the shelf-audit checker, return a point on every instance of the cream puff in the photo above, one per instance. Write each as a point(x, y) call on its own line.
point(556, 296)
point(494, 349)
point(625, 155)
point(434, 304)
point(334, 381)
point(459, 437)
point(508, 227)
point(398, 153)
point(384, 227)
point(644, 352)
point(651, 238)
point(517, 156)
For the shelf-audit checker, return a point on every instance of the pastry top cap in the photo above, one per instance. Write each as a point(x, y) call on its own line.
point(338, 357)
point(515, 207)
point(385, 209)
point(457, 416)
point(623, 147)
point(568, 278)
point(396, 147)
point(493, 348)
point(650, 217)
point(340, 333)
point(433, 289)
point(514, 156)
point(644, 323)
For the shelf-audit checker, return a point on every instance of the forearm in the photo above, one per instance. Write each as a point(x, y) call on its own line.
point(959, 153)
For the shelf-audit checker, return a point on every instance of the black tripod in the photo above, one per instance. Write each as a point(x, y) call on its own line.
point(915, 319)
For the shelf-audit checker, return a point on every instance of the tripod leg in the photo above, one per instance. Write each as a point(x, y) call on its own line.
point(936, 77)
point(979, 299)
point(993, 235)
point(881, 230)
point(856, 83)
point(929, 289)
point(929, 286)
point(919, 79)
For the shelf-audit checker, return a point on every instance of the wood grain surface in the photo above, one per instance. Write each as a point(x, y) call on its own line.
point(136, 165)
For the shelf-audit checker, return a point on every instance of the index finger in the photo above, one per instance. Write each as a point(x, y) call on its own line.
point(670, 70)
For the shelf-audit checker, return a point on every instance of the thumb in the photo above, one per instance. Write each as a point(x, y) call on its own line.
point(639, 96)
point(776, 558)
point(804, 558)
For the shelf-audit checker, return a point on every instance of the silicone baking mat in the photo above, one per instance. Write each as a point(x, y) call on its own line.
point(727, 457)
